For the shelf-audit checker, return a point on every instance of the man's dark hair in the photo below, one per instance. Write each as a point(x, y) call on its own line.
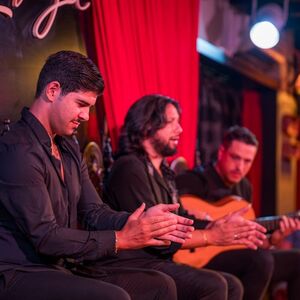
point(74, 71)
point(241, 134)
point(143, 119)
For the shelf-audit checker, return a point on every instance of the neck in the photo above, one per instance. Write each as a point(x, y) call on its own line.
point(40, 111)
point(219, 171)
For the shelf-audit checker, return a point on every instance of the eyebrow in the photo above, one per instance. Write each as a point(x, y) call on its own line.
point(81, 101)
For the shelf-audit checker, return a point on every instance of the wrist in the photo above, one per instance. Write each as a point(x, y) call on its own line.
point(116, 242)
point(205, 239)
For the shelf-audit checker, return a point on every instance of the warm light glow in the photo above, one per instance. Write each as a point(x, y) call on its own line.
point(264, 35)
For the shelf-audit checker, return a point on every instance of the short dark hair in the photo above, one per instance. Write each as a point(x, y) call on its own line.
point(241, 134)
point(74, 72)
point(143, 119)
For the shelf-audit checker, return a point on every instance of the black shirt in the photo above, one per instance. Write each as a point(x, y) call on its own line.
point(207, 184)
point(40, 211)
point(132, 181)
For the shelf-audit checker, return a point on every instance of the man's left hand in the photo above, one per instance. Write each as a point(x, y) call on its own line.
point(184, 226)
point(287, 226)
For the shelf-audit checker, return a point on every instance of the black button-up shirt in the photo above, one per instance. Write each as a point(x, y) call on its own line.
point(40, 211)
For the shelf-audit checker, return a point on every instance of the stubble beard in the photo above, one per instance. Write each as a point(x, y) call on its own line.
point(163, 148)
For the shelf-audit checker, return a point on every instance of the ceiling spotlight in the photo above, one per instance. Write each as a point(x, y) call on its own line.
point(267, 23)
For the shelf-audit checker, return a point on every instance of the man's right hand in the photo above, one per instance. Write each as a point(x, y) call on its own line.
point(233, 229)
point(149, 229)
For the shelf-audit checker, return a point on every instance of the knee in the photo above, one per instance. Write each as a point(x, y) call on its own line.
point(164, 285)
point(235, 287)
point(109, 292)
point(263, 261)
point(215, 285)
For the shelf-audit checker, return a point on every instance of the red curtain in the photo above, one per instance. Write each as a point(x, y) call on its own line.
point(252, 119)
point(148, 46)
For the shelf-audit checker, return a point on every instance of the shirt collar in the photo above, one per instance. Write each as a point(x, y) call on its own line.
point(36, 126)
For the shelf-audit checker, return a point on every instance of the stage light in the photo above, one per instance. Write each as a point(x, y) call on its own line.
point(267, 23)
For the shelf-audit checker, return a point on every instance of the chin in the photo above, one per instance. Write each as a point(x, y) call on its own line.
point(235, 181)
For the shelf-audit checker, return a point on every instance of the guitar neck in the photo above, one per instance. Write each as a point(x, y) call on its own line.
point(272, 223)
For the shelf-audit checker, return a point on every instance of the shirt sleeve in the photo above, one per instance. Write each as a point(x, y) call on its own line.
point(93, 213)
point(24, 195)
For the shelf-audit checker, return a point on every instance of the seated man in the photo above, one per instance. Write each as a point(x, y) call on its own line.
point(150, 133)
point(226, 177)
point(45, 192)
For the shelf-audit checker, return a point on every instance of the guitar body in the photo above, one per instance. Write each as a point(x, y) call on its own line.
point(199, 257)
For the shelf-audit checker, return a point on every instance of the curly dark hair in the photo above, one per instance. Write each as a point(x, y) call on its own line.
point(143, 119)
point(241, 134)
point(74, 71)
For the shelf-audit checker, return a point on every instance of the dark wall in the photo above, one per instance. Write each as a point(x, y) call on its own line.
point(22, 55)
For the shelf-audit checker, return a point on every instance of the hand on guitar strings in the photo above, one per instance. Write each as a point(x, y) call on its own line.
point(286, 227)
point(233, 229)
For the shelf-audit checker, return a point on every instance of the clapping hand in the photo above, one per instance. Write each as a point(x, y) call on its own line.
point(157, 226)
point(234, 229)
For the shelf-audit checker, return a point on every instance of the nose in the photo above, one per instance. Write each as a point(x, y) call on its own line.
point(240, 165)
point(179, 129)
point(84, 115)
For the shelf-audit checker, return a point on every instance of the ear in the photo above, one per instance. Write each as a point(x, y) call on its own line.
point(52, 90)
point(220, 151)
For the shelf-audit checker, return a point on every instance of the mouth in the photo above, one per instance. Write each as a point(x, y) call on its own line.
point(236, 174)
point(175, 140)
point(76, 123)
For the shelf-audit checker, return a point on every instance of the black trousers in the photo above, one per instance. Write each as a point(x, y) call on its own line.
point(116, 284)
point(253, 268)
point(287, 269)
point(192, 283)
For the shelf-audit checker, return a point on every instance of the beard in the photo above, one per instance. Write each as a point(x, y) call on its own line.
point(162, 148)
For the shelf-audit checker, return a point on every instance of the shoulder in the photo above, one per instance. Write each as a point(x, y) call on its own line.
point(190, 182)
point(189, 175)
point(20, 156)
point(128, 162)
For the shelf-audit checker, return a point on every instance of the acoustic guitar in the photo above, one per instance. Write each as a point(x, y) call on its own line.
point(199, 257)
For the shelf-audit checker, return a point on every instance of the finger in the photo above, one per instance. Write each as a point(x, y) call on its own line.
point(138, 212)
point(256, 236)
point(241, 211)
point(157, 242)
point(169, 207)
point(248, 244)
point(160, 218)
point(283, 224)
point(185, 221)
point(156, 223)
point(292, 223)
point(244, 224)
point(297, 223)
point(176, 236)
point(175, 239)
point(248, 230)
point(255, 225)
point(185, 228)
point(160, 229)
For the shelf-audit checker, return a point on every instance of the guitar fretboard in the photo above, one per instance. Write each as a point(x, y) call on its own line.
point(272, 223)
